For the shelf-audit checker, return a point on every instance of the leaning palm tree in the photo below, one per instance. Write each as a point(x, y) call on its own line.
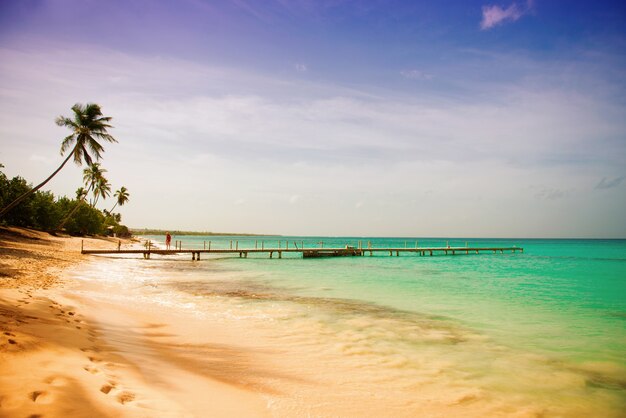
point(81, 195)
point(88, 126)
point(122, 197)
point(101, 190)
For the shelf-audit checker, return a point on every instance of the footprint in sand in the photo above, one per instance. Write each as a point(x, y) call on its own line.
point(56, 381)
point(107, 388)
point(125, 397)
point(40, 396)
point(91, 369)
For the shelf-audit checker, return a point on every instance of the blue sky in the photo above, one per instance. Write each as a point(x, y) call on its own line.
point(448, 118)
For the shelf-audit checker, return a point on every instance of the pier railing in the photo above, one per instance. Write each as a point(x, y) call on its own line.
point(307, 252)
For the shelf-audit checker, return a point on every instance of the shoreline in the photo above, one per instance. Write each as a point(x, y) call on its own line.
point(120, 336)
point(66, 356)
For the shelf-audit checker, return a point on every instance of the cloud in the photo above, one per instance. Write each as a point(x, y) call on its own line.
point(551, 194)
point(495, 15)
point(301, 68)
point(416, 75)
point(609, 184)
point(203, 132)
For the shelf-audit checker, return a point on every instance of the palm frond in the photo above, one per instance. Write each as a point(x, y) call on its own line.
point(68, 142)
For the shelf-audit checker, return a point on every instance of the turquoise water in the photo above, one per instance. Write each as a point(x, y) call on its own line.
point(563, 301)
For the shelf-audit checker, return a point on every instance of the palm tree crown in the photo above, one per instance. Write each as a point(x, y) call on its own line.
point(122, 197)
point(88, 126)
point(93, 176)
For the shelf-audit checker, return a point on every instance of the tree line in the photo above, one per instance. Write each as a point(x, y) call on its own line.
point(27, 206)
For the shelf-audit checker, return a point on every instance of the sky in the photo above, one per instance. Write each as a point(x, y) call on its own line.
point(331, 117)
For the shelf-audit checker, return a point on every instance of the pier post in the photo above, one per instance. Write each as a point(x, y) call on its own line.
point(397, 253)
point(263, 246)
point(119, 245)
point(245, 254)
point(209, 245)
point(198, 256)
point(237, 245)
point(271, 253)
point(431, 253)
point(256, 243)
point(231, 244)
point(280, 254)
point(390, 253)
point(239, 254)
point(193, 256)
point(82, 243)
point(287, 244)
point(204, 244)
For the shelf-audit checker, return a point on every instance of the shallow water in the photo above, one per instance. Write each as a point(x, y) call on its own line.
point(538, 333)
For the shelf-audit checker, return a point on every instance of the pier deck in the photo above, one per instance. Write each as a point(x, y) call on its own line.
point(313, 252)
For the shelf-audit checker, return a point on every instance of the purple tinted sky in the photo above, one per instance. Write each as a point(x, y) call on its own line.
point(460, 94)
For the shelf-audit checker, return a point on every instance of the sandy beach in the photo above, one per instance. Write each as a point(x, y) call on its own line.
point(89, 336)
point(57, 362)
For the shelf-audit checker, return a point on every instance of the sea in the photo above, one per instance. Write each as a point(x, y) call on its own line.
point(535, 333)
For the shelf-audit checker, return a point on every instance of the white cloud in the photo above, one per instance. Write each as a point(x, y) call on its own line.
point(229, 158)
point(302, 68)
point(495, 15)
point(416, 75)
point(609, 183)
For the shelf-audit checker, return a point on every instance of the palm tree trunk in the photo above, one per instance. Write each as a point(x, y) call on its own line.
point(69, 215)
point(34, 189)
point(114, 206)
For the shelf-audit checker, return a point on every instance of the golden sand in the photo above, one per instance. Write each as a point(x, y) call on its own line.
point(55, 363)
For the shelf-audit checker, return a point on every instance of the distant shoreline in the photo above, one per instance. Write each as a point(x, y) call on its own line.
point(147, 231)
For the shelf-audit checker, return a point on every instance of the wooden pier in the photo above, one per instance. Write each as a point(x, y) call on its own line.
point(347, 251)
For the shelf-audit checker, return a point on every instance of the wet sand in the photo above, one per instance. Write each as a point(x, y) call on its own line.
point(66, 357)
point(85, 336)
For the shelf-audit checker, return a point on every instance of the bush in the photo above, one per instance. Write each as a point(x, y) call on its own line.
point(85, 221)
point(42, 211)
point(23, 214)
point(45, 211)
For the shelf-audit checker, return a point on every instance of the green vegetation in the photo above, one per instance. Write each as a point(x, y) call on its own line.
point(26, 206)
point(87, 125)
point(146, 231)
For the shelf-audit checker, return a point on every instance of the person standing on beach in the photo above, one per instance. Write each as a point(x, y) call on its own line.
point(168, 240)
